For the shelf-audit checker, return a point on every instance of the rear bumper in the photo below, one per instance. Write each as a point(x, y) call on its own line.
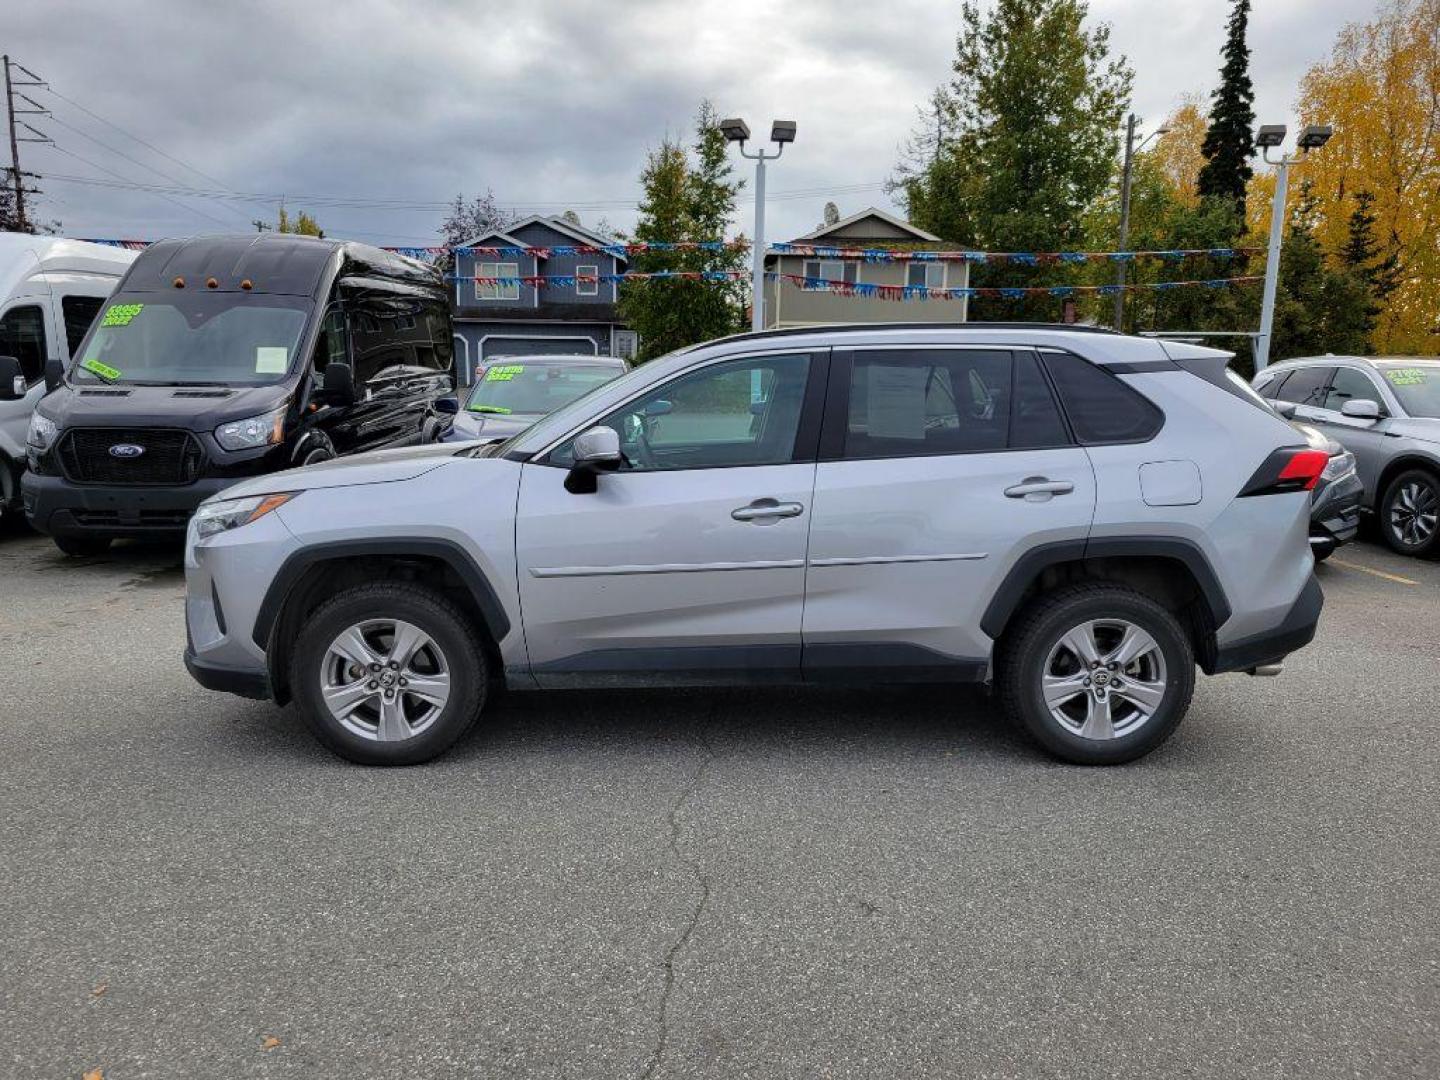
point(239, 681)
point(58, 507)
point(1294, 632)
point(1335, 512)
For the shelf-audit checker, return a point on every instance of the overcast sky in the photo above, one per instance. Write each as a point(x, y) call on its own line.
point(552, 104)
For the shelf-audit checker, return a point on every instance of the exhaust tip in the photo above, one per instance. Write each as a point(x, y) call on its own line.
point(1267, 670)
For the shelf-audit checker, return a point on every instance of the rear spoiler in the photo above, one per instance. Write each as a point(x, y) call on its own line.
point(1209, 364)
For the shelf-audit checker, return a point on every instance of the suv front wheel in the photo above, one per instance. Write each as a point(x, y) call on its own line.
point(1097, 674)
point(388, 674)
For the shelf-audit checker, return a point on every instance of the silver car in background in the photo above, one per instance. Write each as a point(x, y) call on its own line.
point(1385, 411)
point(512, 392)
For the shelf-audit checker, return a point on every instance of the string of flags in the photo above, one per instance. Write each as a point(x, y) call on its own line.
point(863, 289)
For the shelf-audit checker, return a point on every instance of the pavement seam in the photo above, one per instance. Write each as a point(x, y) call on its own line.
point(693, 921)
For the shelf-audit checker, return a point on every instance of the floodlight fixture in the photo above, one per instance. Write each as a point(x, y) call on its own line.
point(782, 131)
point(1315, 136)
point(1270, 135)
point(735, 129)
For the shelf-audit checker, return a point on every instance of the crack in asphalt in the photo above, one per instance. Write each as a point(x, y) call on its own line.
point(693, 921)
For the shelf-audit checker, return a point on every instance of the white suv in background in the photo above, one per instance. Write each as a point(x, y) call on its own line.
point(1078, 517)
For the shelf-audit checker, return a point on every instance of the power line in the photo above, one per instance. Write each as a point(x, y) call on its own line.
point(129, 184)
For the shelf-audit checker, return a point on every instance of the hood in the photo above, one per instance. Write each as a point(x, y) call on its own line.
point(196, 408)
point(477, 425)
point(376, 467)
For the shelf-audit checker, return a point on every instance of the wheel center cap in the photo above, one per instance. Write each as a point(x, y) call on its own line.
point(1101, 678)
point(388, 679)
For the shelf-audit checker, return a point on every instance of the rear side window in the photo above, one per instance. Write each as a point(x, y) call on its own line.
point(1306, 386)
point(928, 401)
point(1035, 422)
point(1101, 408)
point(79, 312)
point(1269, 385)
point(22, 335)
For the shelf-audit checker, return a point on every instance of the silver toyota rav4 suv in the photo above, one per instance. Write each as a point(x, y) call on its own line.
point(1078, 518)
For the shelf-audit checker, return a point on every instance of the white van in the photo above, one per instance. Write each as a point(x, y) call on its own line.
point(50, 291)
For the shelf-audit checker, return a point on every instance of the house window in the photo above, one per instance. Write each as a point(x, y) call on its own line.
point(929, 274)
point(831, 270)
point(587, 288)
point(494, 290)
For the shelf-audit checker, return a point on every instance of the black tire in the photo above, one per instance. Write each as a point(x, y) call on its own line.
point(444, 623)
point(81, 547)
point(1038, 629)
point(1397, 520)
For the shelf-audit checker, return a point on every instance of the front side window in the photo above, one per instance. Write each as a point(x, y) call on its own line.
point(79, 312)
point(1306, 386)
point(822, 271)
point(178, 338)
point(333, 344)
point(1350, 385)
point(929, 274)
point(912, 402)
point(585, 287)
point(495, 290)
point(22, 335)
point(1416, 385)
point(1101, 408)
point(533, 387)
point(739, 412)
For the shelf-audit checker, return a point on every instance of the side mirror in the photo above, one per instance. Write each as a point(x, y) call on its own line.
point(339, 386)
point(596, 450)
point(448, 405)
point(1284, 408)
point(1361, 409)
point(12, 380)
point(54, 373)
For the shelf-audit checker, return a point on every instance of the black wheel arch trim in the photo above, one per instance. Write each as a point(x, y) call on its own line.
point(497, 622)
point(1012, 589)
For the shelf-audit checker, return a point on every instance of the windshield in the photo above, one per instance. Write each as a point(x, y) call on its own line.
point(229, 339)
point(1417, 385)
point(535, 387)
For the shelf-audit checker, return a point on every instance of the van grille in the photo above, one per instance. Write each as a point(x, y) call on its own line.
point(171, 456)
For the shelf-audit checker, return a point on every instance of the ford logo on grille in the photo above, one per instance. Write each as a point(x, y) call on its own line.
point(126, 450)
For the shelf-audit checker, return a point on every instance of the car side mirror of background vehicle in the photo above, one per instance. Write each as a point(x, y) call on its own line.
point(447, 405)
point(54, 373)
point(12, 379)
point(339, 385)
point(1284, 408)
point(1362, 409)
point(596, 450)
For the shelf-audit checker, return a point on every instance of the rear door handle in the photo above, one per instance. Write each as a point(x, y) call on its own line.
point(1039, 485)
point(766, 509)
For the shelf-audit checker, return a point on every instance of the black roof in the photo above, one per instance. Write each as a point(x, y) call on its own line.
point(277, 263)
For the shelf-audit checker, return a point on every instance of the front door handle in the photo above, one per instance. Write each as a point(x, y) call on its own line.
point(767, 509)
point(1039, 486)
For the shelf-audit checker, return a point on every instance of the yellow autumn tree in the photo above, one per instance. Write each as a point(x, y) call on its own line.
point(1380, 89)
point(1177, 153)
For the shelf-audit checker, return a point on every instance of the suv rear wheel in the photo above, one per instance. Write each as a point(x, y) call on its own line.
point(1097, 674)
point(1410, 513)
point(388, 674)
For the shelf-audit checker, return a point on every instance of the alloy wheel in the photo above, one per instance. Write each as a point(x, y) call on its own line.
point(1414, 512)
point(385, 680)
point(1104, 679)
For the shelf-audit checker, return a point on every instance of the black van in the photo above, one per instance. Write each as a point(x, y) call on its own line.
point(224, 357)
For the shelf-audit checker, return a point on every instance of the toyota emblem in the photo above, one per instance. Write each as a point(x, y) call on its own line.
point(126, 450)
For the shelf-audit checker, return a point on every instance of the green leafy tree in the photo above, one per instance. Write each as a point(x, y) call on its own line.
point(689, 196)
point(1029, 126)
point(1230, 140)
point(302, 224)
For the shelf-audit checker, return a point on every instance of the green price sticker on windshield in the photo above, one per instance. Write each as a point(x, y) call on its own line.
point(121, 314)
point(105, 371)
point(1407, 376)
point(503, 372)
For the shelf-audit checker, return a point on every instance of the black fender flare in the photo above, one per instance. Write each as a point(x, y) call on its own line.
point(293, 569)
point(1012, 590)
point(314, 439)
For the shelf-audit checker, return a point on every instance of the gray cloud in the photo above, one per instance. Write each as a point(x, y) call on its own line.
point(549, 104)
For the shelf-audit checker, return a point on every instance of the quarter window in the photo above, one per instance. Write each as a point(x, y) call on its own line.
point(1349, 385)
point(1306, 386)
point(741, 412)
point(79, 312)
point(587, 288)
point(22, 335)
point(495, 290)
point(1101, 408)
point(914, 402)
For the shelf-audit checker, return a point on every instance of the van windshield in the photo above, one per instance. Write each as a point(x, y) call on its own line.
point(229, 339)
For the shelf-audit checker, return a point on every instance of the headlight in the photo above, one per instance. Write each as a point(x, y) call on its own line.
point(254, 431)
point(43, 430)
point(218, 517)
point(1338, 466)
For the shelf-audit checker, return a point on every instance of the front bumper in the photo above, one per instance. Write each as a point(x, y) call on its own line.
point(1293, 633)
point(55, 506)
point(1335, 511)
point(244, 682)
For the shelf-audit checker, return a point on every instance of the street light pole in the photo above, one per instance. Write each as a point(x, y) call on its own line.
point(781, 132)
point(1124, 222)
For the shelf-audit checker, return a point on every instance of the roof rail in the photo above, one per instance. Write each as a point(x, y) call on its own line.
point(856, 328)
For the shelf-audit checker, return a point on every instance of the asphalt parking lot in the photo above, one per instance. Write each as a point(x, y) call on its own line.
point(743, 884)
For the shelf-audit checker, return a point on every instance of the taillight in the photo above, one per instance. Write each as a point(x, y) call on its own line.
point(1286, 470)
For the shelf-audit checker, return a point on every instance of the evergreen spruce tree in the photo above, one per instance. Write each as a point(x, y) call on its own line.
point(1230, 141)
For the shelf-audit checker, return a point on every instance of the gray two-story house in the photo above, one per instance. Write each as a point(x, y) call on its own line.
point(791, 303)
point(516, 319)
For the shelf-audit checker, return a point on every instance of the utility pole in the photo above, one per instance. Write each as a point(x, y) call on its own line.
point(1124, 222)
point(17, 176)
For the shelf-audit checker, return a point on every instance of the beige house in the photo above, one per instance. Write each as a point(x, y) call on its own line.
point(790, 303)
